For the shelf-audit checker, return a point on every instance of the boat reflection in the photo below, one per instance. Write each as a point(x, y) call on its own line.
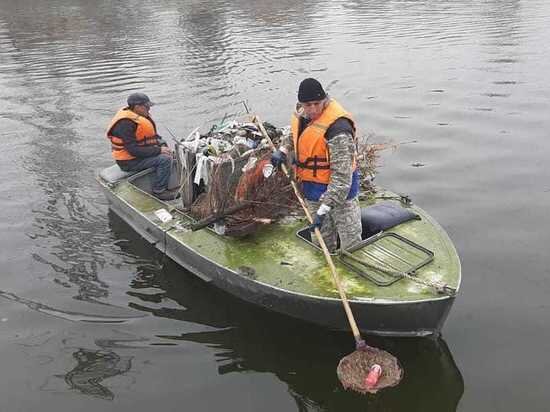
point(303, 356)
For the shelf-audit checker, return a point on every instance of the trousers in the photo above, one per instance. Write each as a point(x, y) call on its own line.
point(161, 163)
point(341, 223)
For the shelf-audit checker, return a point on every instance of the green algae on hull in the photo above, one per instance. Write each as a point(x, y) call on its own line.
point(276, 256)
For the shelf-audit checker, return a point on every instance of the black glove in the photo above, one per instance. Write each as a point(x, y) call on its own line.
point(278, 158)
point(317, 222)
point(319, 217)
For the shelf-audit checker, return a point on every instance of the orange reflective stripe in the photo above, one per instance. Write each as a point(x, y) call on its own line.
point(311, 148)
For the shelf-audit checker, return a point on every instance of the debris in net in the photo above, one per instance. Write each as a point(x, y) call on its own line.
point(354, 368)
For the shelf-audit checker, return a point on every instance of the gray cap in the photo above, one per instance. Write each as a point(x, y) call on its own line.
point(139, 98)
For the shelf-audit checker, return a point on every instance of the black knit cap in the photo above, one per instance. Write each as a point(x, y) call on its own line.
point(310, 90)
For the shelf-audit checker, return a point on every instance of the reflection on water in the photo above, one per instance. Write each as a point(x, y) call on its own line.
point(65, 219)
point(93, 367)
point(307, 364)
point(64, 314)
point(66, 228)
point(303, 356)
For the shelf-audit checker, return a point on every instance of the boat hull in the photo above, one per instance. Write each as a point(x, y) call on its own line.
point(373, 316)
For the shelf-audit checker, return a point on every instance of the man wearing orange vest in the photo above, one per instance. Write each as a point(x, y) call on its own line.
point(325, 150)
point(136, 145)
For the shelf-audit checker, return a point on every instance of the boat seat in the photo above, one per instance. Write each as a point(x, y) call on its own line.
point(383, 216)
point(375, 219)
point(114, 173)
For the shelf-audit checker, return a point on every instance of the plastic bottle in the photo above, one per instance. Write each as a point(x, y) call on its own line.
point(374, 374)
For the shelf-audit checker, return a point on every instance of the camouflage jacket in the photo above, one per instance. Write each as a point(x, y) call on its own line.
point(342, 151)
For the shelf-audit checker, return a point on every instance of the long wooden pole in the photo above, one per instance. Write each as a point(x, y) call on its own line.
point(356, 334)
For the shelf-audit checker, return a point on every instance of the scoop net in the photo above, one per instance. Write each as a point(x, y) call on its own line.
point(354, 369)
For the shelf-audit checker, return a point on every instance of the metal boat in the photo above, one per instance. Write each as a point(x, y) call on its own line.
point(401, 281)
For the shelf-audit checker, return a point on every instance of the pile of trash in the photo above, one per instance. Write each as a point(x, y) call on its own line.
point(228, 180)
point(228, 141)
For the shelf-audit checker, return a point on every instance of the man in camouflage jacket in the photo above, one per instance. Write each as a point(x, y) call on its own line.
point(323, 145)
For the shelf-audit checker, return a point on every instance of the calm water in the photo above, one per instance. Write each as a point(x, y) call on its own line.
point(93, 318)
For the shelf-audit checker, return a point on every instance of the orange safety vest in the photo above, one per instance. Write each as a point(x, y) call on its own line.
point(146, 133)
point(311, 148)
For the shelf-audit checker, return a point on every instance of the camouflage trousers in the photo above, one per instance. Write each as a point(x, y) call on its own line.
point(342, 222)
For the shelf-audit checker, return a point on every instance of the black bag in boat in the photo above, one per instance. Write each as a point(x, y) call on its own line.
point(383, 216)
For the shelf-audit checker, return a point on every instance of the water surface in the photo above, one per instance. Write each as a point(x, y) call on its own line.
point(92, 317)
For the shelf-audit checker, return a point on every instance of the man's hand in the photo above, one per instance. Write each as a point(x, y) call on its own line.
point(278, 158)
point(319, 217)
point(165, 150)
